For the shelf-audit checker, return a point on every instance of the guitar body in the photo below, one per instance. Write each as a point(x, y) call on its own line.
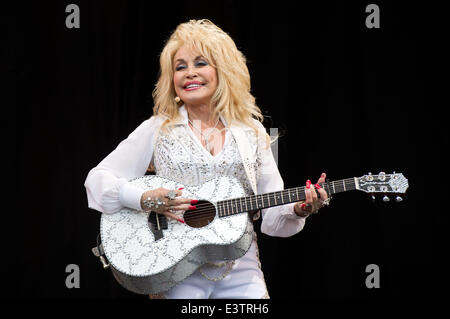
point(146, 262)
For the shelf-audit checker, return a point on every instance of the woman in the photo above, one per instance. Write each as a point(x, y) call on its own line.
point(205, 124)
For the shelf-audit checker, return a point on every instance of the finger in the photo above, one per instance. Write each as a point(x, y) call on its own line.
point(168, 214)
point(323, 194)
point(183, 207)
point(180, 201)
point(313, 194)
point(322, 178)
point(308, 194)
point(172, 216)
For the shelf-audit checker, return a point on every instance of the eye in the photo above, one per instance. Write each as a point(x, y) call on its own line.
point(201, 63)
point(179, 67)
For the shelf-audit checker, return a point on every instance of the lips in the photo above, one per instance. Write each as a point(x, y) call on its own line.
point(193, 85)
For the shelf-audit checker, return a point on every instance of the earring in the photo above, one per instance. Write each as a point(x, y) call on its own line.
point(177, 99)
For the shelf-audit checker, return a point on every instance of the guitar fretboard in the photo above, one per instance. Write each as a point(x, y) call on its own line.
point(244, 204)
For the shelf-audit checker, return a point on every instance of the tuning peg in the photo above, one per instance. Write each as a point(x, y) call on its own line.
point(398, 199)
point(386, 199)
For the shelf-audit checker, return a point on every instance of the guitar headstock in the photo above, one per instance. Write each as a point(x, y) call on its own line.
point(383, 184)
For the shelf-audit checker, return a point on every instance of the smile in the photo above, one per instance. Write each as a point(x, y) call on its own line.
point(193, 85)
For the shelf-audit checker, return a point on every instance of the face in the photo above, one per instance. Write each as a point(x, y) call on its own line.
point(194, 79)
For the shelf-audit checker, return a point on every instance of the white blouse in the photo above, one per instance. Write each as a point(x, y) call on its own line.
point(179, 155)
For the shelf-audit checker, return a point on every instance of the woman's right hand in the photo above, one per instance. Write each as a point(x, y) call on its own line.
point(169, 205)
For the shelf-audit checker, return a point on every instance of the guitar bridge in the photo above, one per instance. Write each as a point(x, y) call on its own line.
point(157, 223)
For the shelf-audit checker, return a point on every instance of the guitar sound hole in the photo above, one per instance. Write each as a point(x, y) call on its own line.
point(202, 216)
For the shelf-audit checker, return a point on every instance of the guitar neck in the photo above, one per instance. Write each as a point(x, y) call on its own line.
point(244, 204)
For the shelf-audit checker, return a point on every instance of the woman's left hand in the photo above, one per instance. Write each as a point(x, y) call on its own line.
point(312, 203)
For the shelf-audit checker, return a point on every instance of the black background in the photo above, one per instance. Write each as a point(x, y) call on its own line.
point(348, 100)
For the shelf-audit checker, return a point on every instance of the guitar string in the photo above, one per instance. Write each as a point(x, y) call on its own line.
point(205, 211)
point(231, 206)
point(285, 194)
point(200, 214)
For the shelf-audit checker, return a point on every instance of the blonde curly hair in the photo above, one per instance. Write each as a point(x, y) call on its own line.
point(232, 98)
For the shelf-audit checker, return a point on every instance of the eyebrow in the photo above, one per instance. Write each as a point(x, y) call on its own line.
point(182, 60)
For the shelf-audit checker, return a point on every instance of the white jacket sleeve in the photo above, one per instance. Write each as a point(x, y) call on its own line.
point(279, 221)
point(107, 186)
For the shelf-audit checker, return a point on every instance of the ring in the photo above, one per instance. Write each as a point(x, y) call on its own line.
point(151, 203)
point(171, 195)
point(306, 206)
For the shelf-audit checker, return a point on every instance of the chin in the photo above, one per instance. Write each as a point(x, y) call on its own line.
point(196, 100)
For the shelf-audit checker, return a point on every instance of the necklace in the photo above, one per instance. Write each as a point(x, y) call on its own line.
point(205, 138)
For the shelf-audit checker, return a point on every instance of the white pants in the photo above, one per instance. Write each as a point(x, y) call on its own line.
point(245, 280)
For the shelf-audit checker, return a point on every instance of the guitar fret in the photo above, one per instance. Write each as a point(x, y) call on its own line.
point(262, 201)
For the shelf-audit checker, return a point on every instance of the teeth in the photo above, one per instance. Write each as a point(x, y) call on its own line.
point(193, 86)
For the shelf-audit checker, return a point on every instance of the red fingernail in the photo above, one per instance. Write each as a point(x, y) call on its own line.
point(318, 186)
point(303, 205)
point(308, 184)
point(192, 207)
point(180, 188)
point(194, 201)
point(181, 221)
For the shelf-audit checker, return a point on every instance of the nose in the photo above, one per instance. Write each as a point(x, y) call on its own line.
point(191, 73)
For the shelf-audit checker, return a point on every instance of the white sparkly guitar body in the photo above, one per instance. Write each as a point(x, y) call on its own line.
point(147, 261)
point(148, 253)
